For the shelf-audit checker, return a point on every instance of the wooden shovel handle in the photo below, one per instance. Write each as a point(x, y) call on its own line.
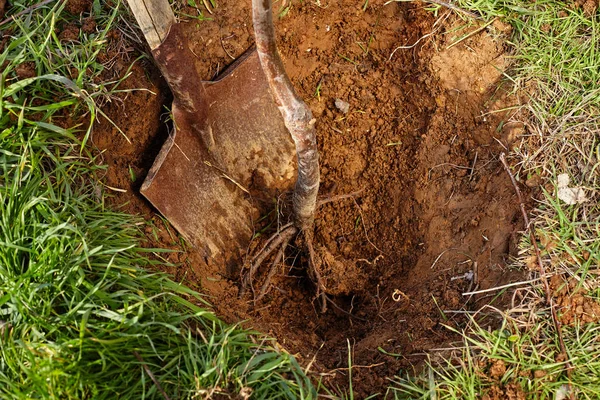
point(154, 17)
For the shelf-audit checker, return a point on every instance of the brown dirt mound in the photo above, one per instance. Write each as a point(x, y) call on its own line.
point(436, 217)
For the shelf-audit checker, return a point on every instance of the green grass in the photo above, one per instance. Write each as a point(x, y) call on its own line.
point(556, 54)
point(530, 357)
point(81, 313)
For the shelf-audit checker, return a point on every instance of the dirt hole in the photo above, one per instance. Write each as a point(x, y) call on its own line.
point(437, 216)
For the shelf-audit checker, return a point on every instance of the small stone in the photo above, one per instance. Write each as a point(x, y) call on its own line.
point(342, 105)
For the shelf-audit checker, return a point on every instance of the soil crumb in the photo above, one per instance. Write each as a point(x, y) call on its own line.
point(77, 7)
point(419, 136)
point(26, 70)
point(576, 306)
point(70, 33)
point(497, 370)
point(511, 391)
point(589, 7)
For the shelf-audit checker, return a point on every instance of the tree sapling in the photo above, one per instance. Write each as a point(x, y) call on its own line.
point(300, 122)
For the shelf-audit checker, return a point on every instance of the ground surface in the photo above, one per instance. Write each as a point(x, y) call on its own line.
point(419, 141)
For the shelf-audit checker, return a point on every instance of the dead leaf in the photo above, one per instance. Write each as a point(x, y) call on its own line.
point(574, 195)
point(563, 181)
point(570, 195)
point(562, 393)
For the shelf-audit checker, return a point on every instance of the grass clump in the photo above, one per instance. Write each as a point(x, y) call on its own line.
point(555, 48)
point(80, 316)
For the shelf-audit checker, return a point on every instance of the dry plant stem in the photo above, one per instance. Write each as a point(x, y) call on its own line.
point(542, 272)
point(297, 116)
point(151, 375)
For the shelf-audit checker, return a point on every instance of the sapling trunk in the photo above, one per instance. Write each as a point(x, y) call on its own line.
point(296, 115)
point(300, 123)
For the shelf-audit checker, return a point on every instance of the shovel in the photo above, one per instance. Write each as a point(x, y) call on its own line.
point(229, 140)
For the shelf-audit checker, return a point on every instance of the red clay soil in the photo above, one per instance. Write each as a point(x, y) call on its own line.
point(437, 216)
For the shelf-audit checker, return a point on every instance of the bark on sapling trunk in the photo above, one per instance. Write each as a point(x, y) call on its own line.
point(296, 115)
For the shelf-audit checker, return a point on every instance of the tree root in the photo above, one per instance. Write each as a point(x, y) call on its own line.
point(278, 243)
point(266, 284)
point(313, 271)
point(281, 238)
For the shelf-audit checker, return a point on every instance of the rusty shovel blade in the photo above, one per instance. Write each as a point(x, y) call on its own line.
point(229, 139)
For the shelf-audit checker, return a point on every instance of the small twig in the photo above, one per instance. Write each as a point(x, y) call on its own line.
point(410, 46)
point(224, 175)
point(362, 222)
point(542, 272)
point(207, 6)
point(344, 311)
point(450, 249)
point(151, 375)
point(357, 366)
point(25, 11)
point(501, 287)
point(473, 166)
point(224, 48)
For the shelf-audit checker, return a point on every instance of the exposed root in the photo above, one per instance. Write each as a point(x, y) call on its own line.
point(278, 243)
point(265, 287)
point(281, 238)
point(331, 199)
point(314, 271)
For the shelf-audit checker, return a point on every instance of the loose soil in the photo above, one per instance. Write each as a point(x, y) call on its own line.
point(575, 304)
point(436, 217)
